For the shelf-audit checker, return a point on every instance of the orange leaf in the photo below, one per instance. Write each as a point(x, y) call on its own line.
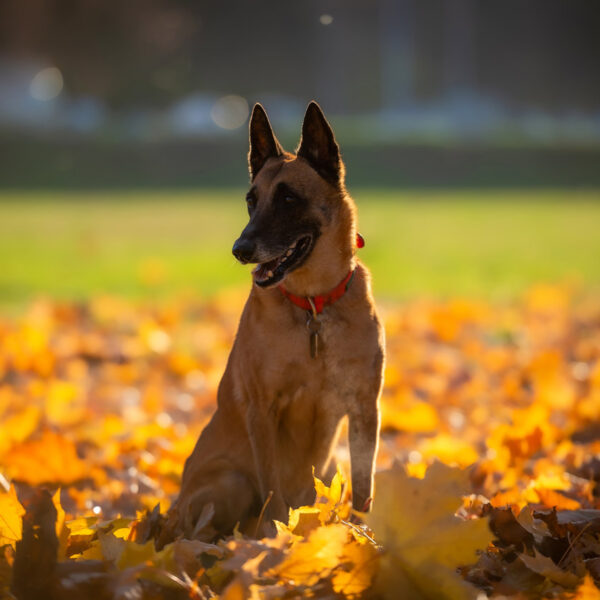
point(587, 590)
point(51, 458)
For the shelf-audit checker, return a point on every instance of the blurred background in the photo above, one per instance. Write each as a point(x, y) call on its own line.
point(471, 134)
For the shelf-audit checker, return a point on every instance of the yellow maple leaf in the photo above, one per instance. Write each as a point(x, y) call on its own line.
point(315, 558)
point(329, 499)
point(18, 427)
point(11, 514)
point(106, 547)
point(408, 415)
point(358, 565)
point(133, 554)
point(302, 520)
point(328, 505)
point(450, 450)
point(424, 542)
point(83, 526)
point(63, 403)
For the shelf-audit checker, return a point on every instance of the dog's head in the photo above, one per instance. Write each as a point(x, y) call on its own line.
point(301, 218)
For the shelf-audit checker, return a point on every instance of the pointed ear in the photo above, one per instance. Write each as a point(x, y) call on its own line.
point(318, 145)
point(263, 143)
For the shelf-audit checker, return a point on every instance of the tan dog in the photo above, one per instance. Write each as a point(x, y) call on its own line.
point(309, 349)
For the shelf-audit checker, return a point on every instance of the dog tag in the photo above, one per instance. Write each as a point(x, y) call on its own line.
point(314, 345)
point(314, 326)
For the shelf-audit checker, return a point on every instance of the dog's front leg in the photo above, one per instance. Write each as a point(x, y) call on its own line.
point(363, 432)
point(261, 430)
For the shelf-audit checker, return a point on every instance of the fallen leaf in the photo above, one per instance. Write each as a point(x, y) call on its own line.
point(423, 541)
point(313, 559)
point(51, 458)
point(542, 565)
point(357, 569)
point(11, 513)
point(587, 590)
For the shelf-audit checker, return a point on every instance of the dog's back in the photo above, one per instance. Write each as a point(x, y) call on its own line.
point(308, 352)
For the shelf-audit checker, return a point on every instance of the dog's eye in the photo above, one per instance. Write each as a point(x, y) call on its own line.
point(250, 201)
point(289, 198)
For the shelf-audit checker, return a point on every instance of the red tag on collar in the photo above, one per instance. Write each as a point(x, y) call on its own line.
point(322, 301)
point(360, 241)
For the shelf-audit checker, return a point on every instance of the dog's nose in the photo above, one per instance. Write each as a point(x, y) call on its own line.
point(243, 249)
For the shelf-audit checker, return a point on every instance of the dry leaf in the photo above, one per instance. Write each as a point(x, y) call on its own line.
point(424, 542)
point(128, 386)
point(542, 565)
point(357, 568)
point(587, 590)
point(50, 459)
point(313, 559)
point(11, 513)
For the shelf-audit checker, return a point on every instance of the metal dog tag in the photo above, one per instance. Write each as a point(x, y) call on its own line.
point(314, 326)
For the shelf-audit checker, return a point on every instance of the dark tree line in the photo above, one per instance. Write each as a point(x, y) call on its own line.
point(542, 53)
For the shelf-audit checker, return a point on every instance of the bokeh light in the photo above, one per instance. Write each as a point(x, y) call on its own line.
point(47, 84)
point(230, 112)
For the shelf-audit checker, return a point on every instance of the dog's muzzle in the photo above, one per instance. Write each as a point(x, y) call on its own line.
point(243, 249)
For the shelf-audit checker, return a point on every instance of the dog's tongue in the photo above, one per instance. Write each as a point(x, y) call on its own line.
point(261, 271)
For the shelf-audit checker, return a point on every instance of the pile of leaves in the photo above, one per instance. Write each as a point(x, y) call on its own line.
point(488, 469)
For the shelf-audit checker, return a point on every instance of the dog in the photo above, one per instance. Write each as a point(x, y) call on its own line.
point(308, 352)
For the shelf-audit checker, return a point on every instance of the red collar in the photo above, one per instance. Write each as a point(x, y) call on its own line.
point(316, 304)
point(320, 302)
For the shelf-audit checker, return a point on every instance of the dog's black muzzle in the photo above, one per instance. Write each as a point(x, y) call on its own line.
point(243, 249)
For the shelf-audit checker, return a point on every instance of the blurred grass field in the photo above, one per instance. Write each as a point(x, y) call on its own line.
point(480, 243)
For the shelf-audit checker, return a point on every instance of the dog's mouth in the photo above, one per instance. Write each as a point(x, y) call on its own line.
point(273, 271)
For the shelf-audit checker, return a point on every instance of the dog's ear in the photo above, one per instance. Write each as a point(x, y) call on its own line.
point(263, 143)
point(318, 145)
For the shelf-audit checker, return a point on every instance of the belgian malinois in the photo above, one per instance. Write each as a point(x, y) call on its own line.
point(309, 349)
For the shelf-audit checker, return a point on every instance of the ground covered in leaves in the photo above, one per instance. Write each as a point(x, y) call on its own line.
point(488, 477)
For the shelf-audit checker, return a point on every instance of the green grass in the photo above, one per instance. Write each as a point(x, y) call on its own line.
point(484, 243)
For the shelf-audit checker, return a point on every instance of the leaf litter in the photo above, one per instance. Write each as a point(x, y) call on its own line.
point(488, 480)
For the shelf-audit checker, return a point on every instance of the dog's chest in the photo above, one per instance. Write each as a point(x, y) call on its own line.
point(273, 354)
point(301, 378)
